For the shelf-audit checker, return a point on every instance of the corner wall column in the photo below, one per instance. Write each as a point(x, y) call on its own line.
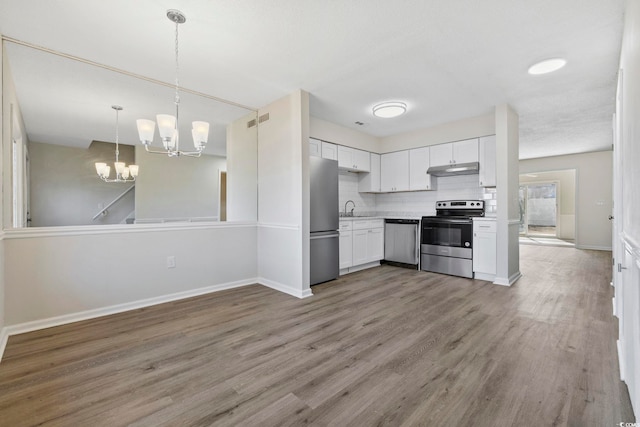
point(507, 185)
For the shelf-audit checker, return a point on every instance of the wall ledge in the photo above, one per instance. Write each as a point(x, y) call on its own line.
point(35, 232)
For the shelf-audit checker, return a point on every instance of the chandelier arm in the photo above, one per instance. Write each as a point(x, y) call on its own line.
point(146, 147)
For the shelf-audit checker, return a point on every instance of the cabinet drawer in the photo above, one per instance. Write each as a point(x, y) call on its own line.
point(364, 224)
point(484, 226)
point(346, 225)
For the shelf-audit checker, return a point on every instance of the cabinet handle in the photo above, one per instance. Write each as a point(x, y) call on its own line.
point(480, 182)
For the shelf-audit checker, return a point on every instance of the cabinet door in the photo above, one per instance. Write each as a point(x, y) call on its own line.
point(394, 171)
point(441, 154)
point(314, 147)
point(361, 160)
point(375, 244)
point(487, 153)
point(370, 182)
point(329, 151)
point(418, 165)
point(484, 252)
point(360, 238)
point(465, 151)
point(346, 254)
point(345, 157)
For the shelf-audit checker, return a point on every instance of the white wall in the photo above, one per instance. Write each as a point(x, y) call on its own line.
point(62, 274)
point(283, 187)
point(2, 135)
point(184, 187)
point(242, 170)
point(331, 132)
point(627, 212)
point(447, 132)
point(594, 180)
point(507, 185)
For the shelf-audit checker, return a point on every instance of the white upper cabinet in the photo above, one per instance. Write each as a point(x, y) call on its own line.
point(487, 174)
point(465, 151)
point(454, 152)
point(370, 182)
point(315, 147)
point(329, 150)
point(394, 171)
point(353, 160)
point(419, 179)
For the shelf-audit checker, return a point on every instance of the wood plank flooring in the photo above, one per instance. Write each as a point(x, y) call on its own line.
point(381, 347)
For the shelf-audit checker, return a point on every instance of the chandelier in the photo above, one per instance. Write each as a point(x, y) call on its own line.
point(124, 173)
point(168, 124)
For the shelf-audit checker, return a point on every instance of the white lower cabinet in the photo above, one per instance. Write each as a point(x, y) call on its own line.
point(346, 256)
point(484, 248)
point(361, 244)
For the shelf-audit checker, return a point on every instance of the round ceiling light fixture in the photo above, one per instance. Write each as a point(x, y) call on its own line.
point(388, 110)
point(547, 66)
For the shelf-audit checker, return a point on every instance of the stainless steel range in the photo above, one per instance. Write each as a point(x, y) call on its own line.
point(447, 238)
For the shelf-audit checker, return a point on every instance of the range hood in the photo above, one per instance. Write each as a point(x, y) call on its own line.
point(451, 170)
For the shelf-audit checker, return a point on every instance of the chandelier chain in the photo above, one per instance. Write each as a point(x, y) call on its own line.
point(117, 138)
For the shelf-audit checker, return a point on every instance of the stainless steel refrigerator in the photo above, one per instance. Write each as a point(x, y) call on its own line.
point(325, 239)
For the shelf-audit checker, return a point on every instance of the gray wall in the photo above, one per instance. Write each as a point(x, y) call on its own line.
point(65, 189)
point(177, 188)
point(593, 203)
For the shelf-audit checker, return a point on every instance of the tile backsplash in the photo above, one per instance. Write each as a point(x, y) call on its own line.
point(348, 190)
point(414, 203)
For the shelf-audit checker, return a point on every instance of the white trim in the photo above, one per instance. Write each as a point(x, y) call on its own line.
point(298, 293)
point(594, 248)
point(279, 226)
point(34, 232)
point(508, 282)
point(484, 276)
point(514, 222)
point(4, 337)
point(64, 319)
point(621, 359)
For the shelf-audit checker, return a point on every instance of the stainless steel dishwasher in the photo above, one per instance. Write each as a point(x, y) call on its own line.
point(401, 242)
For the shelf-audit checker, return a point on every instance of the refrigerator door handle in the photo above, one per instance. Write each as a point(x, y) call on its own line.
point(326, 236)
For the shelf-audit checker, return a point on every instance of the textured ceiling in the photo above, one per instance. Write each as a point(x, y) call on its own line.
point(446, 60)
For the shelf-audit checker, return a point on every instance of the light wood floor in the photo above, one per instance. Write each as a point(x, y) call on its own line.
point(385, 346)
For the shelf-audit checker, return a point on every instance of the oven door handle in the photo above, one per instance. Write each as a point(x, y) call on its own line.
point(446, 221)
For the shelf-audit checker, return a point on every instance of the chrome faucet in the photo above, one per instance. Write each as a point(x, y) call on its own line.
point(345, 207)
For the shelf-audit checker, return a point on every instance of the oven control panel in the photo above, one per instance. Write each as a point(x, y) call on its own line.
point(460, 204)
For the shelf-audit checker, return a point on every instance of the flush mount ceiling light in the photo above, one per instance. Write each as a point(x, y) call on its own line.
point(388, 110)
point(547, 66)
point(168, 124)
point(124, 173)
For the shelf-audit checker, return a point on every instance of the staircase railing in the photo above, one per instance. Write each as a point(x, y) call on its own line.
point(113, 202)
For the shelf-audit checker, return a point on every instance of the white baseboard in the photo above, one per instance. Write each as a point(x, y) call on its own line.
point(508, 282)
point(4, 336)
point(298, 293)
point(621, 359)
point(484, 276)
point(594, 248)
point(50, 322)
point(35, 325)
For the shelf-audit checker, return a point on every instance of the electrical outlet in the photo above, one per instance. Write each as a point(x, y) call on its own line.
point(171, 261)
